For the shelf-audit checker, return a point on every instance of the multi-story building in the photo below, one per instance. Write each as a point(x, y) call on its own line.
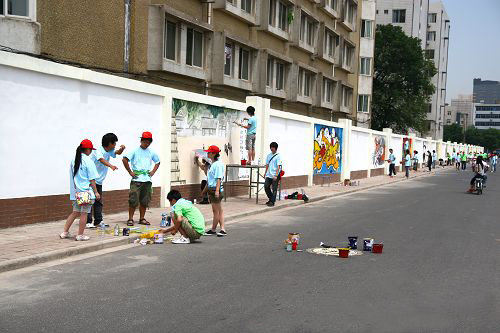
point(460, 111)
point(486, 91)
point(367, 12)
point(430, 23)
point(19, 29)
point(301, 54)
point(486, 116)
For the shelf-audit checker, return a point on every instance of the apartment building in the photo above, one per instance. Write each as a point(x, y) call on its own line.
point(460, 111)
point(19, 29)
point(486, 91)
point(301, 54)
point(486, 116)
point(367, 12)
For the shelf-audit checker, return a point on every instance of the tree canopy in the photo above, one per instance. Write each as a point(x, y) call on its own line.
point(453, 133)
point(487, 138)
point(402, 84)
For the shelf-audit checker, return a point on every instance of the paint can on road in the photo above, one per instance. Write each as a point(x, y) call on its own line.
point(367, 244)
point(126, 231)
point(377, 248)
point(353, 242)
point(343, 252)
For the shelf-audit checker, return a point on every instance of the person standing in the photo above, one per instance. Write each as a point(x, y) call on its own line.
point(415, 160)
point(392, 163)
point(215, 190)
point(82, 176)
point(101, 157)
point(141, 186)
point(407, 164)
point(434, 159)
point(429, 160)
point(463, 159)
point(272, 174)
point(494, 159)
point(251, 133)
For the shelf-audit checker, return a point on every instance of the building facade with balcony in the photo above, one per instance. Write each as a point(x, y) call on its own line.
point(301, 54)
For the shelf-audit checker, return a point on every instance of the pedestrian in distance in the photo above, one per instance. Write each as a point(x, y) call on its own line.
point(272, 174)
point(434, 159)
point(82, 187)
point(187, 219)
point(392, 163)
point(494, 160)
point(463, 160)
point(429, 160)
point(141, 186)
point(480, 172)
point(251, 133)
point(407, 163)
point(101, 157)
point(215, 190)
point(415, 160)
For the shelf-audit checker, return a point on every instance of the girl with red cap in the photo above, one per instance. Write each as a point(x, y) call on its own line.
point(215, 189)
point(83, 174)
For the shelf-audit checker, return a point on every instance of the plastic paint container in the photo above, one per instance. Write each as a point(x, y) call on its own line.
point(343, 253)
point(294, 244)
point(367, 244)
point(158, 238)
point(353, 242)
point(289, 247)
point(377, 248)
point(126, 231)
point(243, 162)
point(292, 236)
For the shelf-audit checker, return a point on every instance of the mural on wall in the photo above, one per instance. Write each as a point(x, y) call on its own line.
point(407, 145)
point(327, 149)
point(378, 157)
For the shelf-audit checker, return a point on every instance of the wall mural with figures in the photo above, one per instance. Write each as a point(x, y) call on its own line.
point(327, 149)
point(378, 156)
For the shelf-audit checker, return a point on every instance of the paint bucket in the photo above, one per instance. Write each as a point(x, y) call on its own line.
point(158, 238)
point(343, 252)
point(126, 231)
point(299, 196)
point(294, 244)
point(353, 242)
point(289, 247)
point(377, 248)
point(243, 162)
point(293, 236)
point(367, 244)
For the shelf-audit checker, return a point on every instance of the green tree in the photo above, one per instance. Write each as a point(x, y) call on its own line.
point(453, 133)
point(402, 84)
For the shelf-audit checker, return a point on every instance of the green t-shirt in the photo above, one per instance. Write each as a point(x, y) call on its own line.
point(464, 157)
point(186, 208)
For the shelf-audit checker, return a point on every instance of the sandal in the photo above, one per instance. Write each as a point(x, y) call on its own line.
point(144, 222)
point(130, 223)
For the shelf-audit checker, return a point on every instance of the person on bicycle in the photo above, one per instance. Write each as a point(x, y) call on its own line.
point(479, 169)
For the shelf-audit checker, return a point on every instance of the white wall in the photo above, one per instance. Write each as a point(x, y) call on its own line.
point(397, 147)
point(44, 119)
point(360, 151)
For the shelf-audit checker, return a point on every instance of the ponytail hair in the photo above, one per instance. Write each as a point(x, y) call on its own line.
point(78, 160)
point(216, 157)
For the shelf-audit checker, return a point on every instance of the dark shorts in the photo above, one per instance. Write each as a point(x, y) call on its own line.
point(213, 198)
point(140, 193)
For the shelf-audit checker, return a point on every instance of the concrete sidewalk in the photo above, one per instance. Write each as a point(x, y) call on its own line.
point(36, 243)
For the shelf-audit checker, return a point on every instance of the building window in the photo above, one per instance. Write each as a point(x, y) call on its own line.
point(244, 65)
point(194, 48)
point(348, 53)
point(366, 28)
point(432, 18)
point(431, 35)
point(448, 121)
point(270, 72)
point(398, 15)
point(170, 40)
point(280, 75)
point(305, 82)
point(331, 42)
point(449, 113)
point(15, 8)
point(346, 97)
point(429, 54)
point(349, 10)
point(386, 11)
point(280, 20)
point(429, 108)
point(365, 67)
point(307, 29)
point(332, 4)
point(228, 58)
point(363, 103)
point(328, 88)
point(246, 5)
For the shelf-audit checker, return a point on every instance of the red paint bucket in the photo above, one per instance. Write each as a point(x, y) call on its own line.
point(343, 253)
point(377, 248)
point(243, 162)
point(299, 196)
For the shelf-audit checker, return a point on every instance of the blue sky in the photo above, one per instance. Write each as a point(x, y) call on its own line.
point(474, 43)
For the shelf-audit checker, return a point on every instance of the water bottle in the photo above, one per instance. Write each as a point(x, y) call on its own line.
point(117, 230)
point(101, 229)
point(163, 222)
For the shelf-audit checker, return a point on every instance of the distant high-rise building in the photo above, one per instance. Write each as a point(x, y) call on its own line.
point(486, 91)
point(486, 116)
point(460, 111)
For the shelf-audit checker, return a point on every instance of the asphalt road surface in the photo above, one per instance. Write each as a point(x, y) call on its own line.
point(439, 272)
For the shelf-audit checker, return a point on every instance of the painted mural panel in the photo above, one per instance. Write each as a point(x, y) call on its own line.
point(378, 156)
point(327, 149)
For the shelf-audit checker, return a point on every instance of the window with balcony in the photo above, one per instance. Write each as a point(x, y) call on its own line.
point(307, 29)
point(398, 15)
point(228, 58)
point(431, 36)
point(328, 89)
point(432, 18)
point(194, 48)
point(363, 103)
point(278, 14)
point(244, 64)
point(366, 29)
point(331, 43)
point(305, 82)
point(365, 66)
point(170, 43)
point(346, 97)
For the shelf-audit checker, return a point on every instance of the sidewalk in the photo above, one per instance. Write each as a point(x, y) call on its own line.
point(36, 243)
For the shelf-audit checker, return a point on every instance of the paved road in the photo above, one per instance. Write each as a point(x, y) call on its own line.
point(439, 273)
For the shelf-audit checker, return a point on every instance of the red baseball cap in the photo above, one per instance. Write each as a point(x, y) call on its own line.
point(146, 135)
point(87, 144)
point(213, 149)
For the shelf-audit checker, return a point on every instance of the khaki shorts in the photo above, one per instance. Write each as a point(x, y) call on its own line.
point(250, 142)
point(188, 229)
point(140, 193)
point(83, 208)
point(213, 198)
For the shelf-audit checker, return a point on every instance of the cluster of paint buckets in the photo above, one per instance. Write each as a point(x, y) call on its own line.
point(368, 246)
point(292, 242)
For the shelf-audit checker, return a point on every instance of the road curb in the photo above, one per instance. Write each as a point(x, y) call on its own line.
point(14, 264)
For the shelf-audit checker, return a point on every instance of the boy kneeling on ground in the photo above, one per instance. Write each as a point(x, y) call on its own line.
point(187, 219)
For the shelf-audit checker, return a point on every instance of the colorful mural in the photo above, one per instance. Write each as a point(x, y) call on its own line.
point(378, 156)
point(327, 149)
point(407, 145)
